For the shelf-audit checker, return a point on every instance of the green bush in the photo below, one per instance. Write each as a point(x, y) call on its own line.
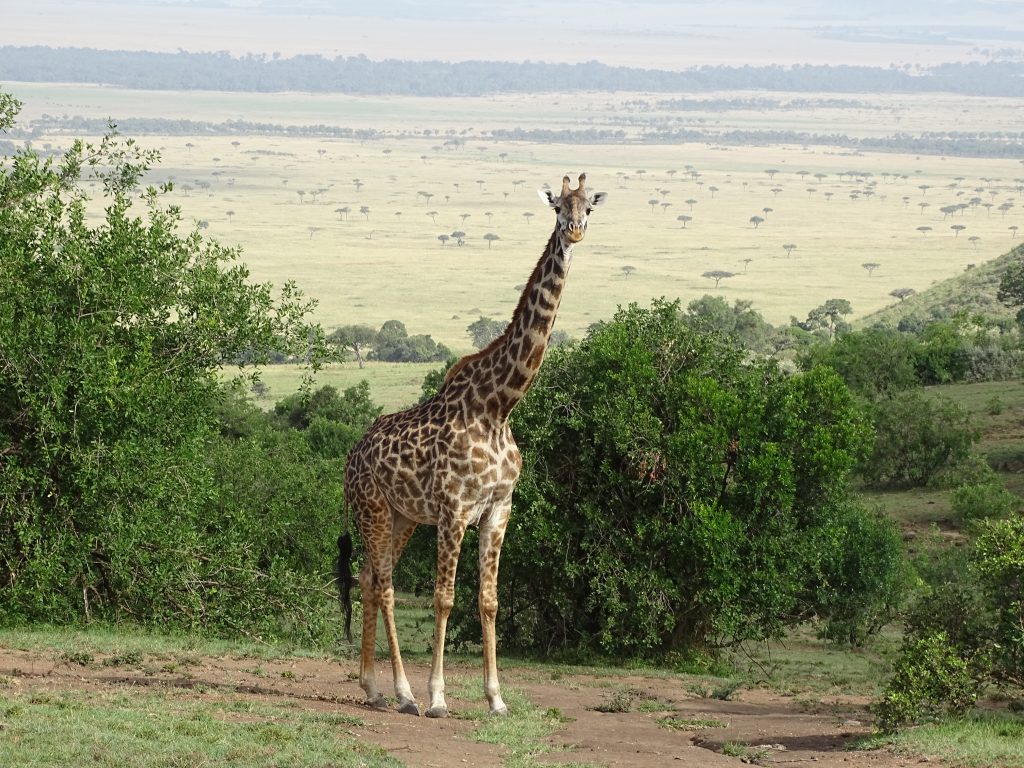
point(977, 501)
point(916, 438)
point(676, 495)
point(118, 498)
point(873, 362)
point(864, 575)
point(929, 679)
point(998, 563)
point(393, 344)
point(964, 631)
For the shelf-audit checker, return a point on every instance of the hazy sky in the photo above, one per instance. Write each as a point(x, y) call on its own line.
point(649, 33)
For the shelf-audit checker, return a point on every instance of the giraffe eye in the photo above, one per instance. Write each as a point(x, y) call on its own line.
point(558, 209)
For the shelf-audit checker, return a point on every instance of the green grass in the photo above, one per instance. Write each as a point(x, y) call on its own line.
point(914, 507)
point(392, 385)
point(124, 642)
point(690, 723)
point(745, 752)
point(521, 733)
point(140, 729)
point(368, 269)
point(989, 739)
point(802, 664)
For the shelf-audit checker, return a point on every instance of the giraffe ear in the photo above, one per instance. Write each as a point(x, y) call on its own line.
point(547, 197)
point(597, 199)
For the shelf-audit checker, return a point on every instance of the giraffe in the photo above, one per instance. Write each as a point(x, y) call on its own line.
point(451, 462)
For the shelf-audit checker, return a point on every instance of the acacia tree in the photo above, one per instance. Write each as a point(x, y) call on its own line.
point(902, 293)
point(485, 330)
point(115, 332)
point(828, 317)
point(355, 338)
point(718, 275)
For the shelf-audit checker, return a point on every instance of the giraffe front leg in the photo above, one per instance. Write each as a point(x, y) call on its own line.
point(449, 543)
point(492, 534)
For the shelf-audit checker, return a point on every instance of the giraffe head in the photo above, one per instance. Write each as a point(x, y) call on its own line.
point(572, 206)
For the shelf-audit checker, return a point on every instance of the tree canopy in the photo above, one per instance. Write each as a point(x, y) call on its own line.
point(115, 329)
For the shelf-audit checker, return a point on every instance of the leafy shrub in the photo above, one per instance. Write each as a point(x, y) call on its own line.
point(974, 469)
point(929, 679)
point(116, 496)
point(864, 575)
point(998, 563)
point(871, 362)
point(964, 631)
point(674, 495)
point(916, 437)
point(977, 501)
point(394, 345)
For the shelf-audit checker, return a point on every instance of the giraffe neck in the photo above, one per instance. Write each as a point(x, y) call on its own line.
point(503, 371)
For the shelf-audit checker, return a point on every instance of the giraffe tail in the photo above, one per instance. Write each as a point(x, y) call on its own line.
point(343, 578)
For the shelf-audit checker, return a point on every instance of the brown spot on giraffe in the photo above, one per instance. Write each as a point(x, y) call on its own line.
point(452, 462)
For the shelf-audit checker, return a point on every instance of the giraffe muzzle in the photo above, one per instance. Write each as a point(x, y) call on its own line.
point(574, 234)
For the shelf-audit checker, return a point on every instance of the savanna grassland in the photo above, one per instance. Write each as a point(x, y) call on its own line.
point(356, 222)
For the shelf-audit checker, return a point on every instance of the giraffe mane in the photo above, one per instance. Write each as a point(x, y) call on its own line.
point(523, 298)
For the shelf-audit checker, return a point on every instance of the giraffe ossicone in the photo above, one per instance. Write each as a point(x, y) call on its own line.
point(451, 462)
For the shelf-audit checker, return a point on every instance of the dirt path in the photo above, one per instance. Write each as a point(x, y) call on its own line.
point(780, 730)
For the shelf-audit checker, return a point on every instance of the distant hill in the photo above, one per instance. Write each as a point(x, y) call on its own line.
point(973, 292)
point(361, 75)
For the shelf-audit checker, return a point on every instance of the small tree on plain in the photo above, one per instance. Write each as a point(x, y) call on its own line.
point(355, 339)
point(902, 293)
point(490, 238)
point(485, 330)
point(718, 275)
point(870, 266)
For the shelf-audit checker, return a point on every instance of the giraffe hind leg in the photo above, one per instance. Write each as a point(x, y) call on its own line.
point(367, 670)
point(384, 540)
point(401, 531)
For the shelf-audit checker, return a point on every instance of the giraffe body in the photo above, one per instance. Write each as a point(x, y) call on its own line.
point(452, 462)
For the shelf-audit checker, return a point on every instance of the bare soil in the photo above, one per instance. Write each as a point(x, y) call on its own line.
point(780, 730)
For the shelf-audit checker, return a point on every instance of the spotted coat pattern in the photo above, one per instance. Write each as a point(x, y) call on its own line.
point(451, 462)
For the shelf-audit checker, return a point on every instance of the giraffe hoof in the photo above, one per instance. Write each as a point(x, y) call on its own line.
point(378, 703)
point(437, 712)
point(501, 711)
point(409, 708)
